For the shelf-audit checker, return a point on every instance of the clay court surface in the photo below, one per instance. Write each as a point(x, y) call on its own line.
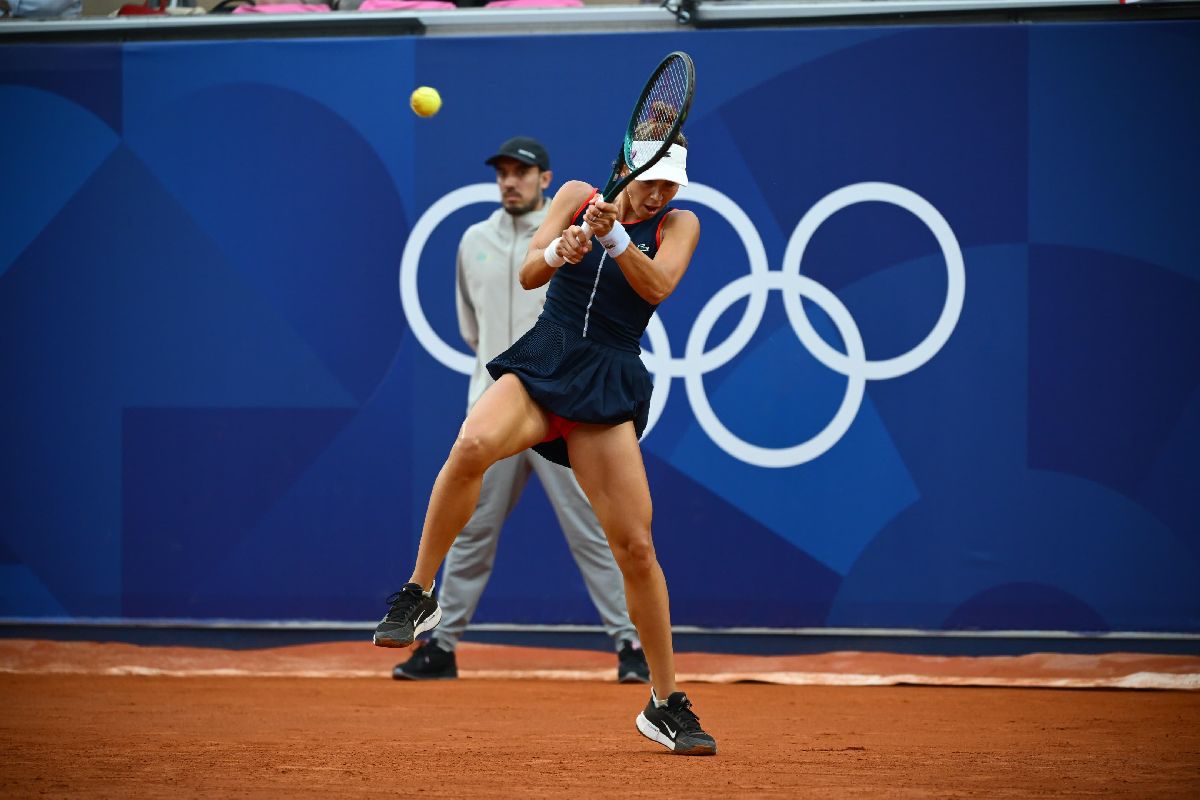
point(88, 720)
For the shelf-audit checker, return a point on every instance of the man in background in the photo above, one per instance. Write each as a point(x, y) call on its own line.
point(493, 312)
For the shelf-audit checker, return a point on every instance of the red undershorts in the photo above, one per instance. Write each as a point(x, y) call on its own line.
point(559, 427)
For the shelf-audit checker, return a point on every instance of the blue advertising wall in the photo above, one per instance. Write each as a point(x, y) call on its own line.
point(935, 364)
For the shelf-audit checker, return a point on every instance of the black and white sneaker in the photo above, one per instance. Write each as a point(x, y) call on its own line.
point(413, 611)
point(676, 726)
point(430, 662)
point(631, 664)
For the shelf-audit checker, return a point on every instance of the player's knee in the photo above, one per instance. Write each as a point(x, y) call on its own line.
point(635, 556)
point(471, 454)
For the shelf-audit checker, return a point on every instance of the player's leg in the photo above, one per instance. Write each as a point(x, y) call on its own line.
point(601, 576)
point(608, 463)
point(467, 568)
point(504, 421)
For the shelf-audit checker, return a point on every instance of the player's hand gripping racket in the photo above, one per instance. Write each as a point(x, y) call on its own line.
point(656, 121)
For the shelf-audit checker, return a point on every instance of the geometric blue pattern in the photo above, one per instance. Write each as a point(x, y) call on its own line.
point(214, 405)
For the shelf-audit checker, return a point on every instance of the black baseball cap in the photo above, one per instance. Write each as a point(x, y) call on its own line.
point(523, 149)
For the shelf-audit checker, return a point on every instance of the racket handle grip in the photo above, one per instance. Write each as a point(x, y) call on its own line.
point(551, 253)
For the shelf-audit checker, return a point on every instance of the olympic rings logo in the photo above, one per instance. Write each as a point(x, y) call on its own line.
point(696, 360)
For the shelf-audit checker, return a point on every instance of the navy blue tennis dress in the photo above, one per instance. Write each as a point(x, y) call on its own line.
point(582, 358)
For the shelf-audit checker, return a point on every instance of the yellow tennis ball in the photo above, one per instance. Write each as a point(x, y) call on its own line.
point(425, 101)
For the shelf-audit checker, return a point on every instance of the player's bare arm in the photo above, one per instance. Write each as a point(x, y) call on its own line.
point(654, 279)
point(535, 271)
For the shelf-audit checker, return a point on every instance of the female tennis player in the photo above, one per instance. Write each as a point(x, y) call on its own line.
point(574, 388)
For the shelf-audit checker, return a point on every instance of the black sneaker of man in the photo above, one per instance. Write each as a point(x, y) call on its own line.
point(631, 664)
point(430, 662)
point(413, 611)
point(675, 726)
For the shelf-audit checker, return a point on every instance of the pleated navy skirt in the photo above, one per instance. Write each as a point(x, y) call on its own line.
point(578, 379)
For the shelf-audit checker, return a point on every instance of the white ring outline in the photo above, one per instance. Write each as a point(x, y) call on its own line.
point(659, 360)
point(696, 362)
point(756, 255)
point(777, 457)
point(410, 261)
point(956, 278)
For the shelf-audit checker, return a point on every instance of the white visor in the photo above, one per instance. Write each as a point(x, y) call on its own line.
point(671, 167)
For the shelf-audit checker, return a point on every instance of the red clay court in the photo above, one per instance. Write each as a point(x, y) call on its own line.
point(114, 720)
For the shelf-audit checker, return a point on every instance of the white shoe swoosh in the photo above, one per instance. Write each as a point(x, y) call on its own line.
point(668, 727)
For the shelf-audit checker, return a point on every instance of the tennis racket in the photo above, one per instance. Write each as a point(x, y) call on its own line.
point(657, 119)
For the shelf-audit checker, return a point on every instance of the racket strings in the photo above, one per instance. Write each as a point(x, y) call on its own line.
point(660, 107)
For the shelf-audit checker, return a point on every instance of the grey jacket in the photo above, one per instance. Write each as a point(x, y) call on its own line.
point(493, 310)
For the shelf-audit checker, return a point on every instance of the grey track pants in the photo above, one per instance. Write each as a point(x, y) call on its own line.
point(469, 563)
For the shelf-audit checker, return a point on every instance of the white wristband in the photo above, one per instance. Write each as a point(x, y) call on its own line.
point(615, 241)
point(551, 255)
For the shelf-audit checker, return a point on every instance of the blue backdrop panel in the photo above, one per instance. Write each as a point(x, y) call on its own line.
point(231, 366)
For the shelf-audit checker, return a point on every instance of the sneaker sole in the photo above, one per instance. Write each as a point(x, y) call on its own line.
point(650, 731)
point(427, 624)
point(632, 677)
point(401, 675)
